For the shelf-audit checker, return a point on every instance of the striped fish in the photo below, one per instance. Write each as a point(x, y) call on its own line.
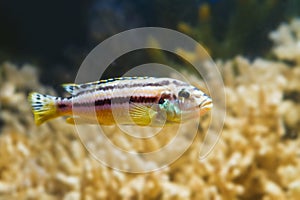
point(145, 101)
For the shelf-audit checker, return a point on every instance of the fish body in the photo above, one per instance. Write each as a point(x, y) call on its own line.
point(145, 101)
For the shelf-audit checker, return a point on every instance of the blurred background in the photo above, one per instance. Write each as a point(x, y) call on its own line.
point(57, 35)
point(256, 46)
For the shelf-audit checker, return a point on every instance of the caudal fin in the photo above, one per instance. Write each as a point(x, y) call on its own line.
point(43, 107)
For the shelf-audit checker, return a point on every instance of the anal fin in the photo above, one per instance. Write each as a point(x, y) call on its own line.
point(80, 120)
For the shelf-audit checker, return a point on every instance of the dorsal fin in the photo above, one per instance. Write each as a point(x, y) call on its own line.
point(71, 88)
point(74, 89)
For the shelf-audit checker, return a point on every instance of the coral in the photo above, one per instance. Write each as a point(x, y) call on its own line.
point(257, 156)
point(287, 41)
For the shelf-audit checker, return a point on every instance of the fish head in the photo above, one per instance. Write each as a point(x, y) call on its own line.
point(192, 100)
point(182, 102)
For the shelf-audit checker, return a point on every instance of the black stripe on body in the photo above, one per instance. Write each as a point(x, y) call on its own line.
point(85, 85)
point(122, 86)
point(120, 100)
point(62, 105)
point(180, 83)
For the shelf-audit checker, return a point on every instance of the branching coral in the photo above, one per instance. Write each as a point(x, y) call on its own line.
point(287, 41)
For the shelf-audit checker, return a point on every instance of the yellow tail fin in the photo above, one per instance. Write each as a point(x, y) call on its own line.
point(43, 107)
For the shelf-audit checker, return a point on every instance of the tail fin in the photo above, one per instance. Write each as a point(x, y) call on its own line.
point(43, 107)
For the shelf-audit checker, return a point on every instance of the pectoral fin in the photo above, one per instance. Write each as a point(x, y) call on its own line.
point(141, 115)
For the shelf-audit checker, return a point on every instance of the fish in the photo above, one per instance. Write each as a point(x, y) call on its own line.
point(143, 101)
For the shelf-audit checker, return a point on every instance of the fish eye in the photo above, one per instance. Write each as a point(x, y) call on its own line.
point(183, 93)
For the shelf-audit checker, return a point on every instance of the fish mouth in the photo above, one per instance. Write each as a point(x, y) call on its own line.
point(205, 106)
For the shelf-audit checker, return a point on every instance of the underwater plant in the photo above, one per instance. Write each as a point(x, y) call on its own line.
point(229, 28)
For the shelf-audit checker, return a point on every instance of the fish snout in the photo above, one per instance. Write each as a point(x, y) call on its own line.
point(205, 106)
